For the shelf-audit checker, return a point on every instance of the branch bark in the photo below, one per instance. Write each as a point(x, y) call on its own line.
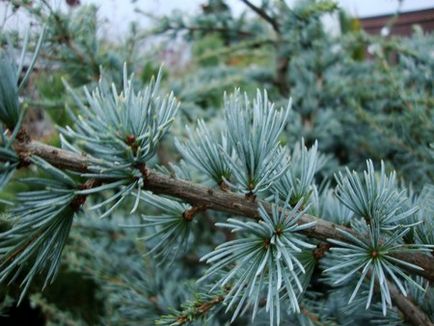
point(412, 312)
point(213, 199)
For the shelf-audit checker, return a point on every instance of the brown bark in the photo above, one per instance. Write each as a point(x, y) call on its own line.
point(411, 312)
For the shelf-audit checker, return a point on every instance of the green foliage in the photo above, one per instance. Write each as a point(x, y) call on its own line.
point(120, 132)
point(253, 130)
point(263, 260)
point(350, 99)
point(201, 47)
point(41, 224)
point(367, 197)
point(205, 153)
point(9, 159)
point(11, 113)
point(11, 83)
point(8, 92)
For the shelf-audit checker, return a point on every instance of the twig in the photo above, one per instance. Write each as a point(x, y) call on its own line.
point(200, 309)
point(412, 313)
point(190, 213)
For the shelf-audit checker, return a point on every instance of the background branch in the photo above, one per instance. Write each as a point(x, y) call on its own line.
point(261, 13)
point(282, 60)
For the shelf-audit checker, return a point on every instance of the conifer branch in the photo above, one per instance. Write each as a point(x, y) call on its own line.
point(213, 199)
point(261, 13)
point(282, 61)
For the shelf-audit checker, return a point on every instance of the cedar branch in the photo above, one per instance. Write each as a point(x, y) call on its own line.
point(200, 196)
point(213, 199)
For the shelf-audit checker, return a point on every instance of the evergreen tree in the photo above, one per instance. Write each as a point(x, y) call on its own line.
point(242, 216)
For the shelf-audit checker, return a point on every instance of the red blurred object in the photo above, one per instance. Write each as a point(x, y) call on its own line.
point(403, 24)
point(73, 3)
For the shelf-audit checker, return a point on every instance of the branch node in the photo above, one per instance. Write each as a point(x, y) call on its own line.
point(191, 212)
point(79, 200)
point(321, 250)
point(251, 197)
point(143, 170)
point(24, 160)
point(223, 186)
point(23, 136)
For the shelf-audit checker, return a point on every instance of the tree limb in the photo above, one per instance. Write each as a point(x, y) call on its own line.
point(213, 199)
point(200, 196)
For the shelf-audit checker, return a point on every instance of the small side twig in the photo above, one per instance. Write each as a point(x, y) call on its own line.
point(191, 212)
point(79, 200)
point(411, 312)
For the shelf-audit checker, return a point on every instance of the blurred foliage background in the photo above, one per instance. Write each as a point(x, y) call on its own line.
point(360, 95)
